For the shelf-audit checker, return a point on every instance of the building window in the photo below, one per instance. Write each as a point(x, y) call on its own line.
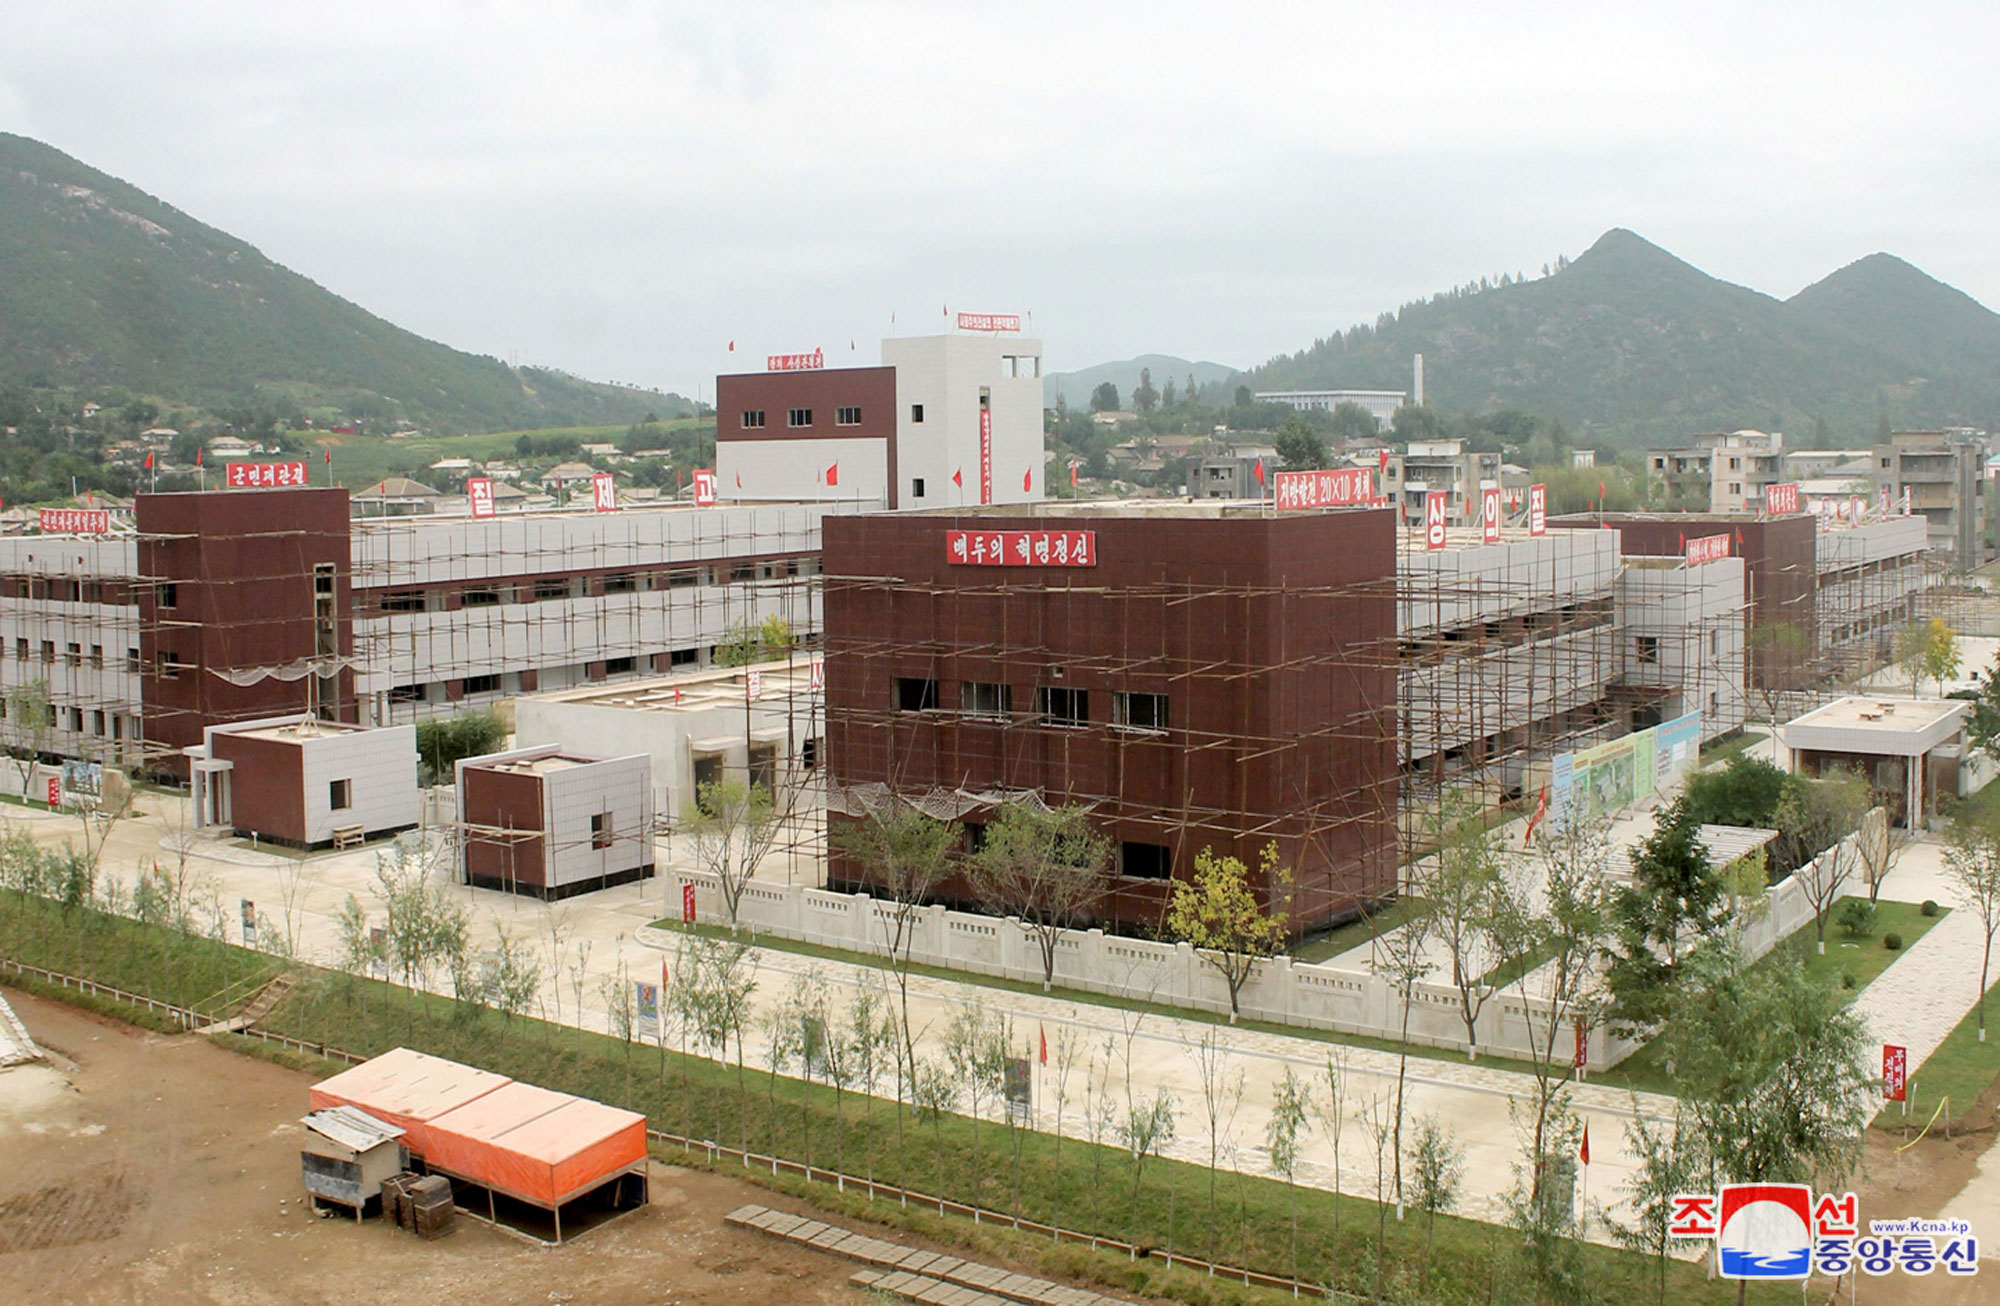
point(917, 414)
point(623, 582)
point(49, 652)
point(482, 598)
point(743, 571)
point(407, 694)
point(809, 752)
point(131, 660)
point(1062, 707)
point(677, 580)
point(168, 664)
point(753, 419)
point(763, 764)
point(986, 698)
point(1714, 642)
point(683, 657)
point(600, 830)
point(556, 588)
point(21, 649)
point(167, 594)
point(916, 487)
point(914, 694)
point(619, 666)
point(975, 836)
point(1145, 861)
point(799, 417)
point(707, 775)
point(340, 795)
point(403, 601)
point(481, 684)
point(847, 416)
point(1647, 648)
point(97, 724)
point(73, 655)
point(322, 578)
point(1139, 711)
point(97, 656)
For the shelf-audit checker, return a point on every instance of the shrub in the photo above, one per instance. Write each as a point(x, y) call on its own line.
point(1892, 941)
point(1856, 918)
point(1847, 980)
point(1930, 908)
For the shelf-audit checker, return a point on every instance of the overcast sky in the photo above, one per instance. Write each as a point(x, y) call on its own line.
point(621, 189)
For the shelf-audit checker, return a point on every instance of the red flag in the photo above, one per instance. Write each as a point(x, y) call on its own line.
point(1681, 541)
point(732, 346)
point(1028, 479)
point(1385, 462)
point(1583, 1152)
point(197, 457)
point(1600, 491)
point(833, 474)
point(326, 456)
point(1045, 1043)
point(739, 480)
point(1072, 475)
point(1739, 539)
point(958, 478)
point(1541, 810)
point(149, 457)
point(1260, 471)
point(89, 499)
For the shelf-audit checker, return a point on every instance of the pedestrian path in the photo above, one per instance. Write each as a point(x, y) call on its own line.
point(1927, 991)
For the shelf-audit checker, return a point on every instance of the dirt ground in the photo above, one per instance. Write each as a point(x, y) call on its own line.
point(142, 1168)
point(1925, 1180)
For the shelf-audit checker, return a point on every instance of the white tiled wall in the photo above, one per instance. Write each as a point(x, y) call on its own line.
point(382, 764)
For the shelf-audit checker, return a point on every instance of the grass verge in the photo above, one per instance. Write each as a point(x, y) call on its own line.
point(1962, 1069)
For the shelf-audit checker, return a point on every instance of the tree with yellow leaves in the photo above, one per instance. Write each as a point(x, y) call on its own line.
point(1219, 914)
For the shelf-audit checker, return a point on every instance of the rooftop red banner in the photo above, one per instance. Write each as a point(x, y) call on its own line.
point(1327, 488)
point(75, 521)
point(1022, 548)
point(989, 321)
point(261, 474)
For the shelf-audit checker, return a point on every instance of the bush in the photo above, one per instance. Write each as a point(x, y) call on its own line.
point(1847, 980)
point(1856, 918)
point(1929, 908)
point(1892, 941)
point(441, 742)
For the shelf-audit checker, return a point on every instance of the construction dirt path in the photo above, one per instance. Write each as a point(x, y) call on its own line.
point(137, 1167)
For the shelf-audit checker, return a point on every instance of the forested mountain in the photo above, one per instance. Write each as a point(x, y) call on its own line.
point(105, 287)
point(1628, 344)
point(1076, 387)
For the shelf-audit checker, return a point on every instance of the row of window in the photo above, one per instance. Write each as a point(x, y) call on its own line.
point(556, 588)
point(95, 721)
point(73, 654)
point(65, 590)
point(752, 419)
point(1055, 705)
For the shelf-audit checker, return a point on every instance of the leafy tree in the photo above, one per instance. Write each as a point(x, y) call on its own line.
point(1045, 866)
point(1437, 1166)
point(977, 1043)
point(1191, 392)
point(1744, 792)
point(1168, 395)
point(1218, 912)
point(1299, 447)
point(32, 719)
point(1814, 819)
point(1972, 863)
point(1672, 1160)
point(906, 855)
point(734, 827)
point(426, 928)
point(444, 741)
point(1540, 1206)
point(1291, 1105)
point(745, 643)
point(1459, 890)
point(1353, 422)
point(1104, 399)
point(1880, 847)
point(1244, 397)
point(1676, 900)
point(1927, 650)
point(1415, 422)
point(1145, 397)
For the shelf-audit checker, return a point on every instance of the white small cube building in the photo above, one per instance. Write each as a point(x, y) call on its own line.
point(304, 782)
point(550, 822)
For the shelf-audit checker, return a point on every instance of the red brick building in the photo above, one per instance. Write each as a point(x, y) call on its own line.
point(1203, 675)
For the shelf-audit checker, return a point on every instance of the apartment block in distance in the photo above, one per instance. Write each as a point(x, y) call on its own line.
point(1201, 676)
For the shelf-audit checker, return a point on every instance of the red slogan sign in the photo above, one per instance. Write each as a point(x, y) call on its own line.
point(1538, 509)
point(75, 521)
point(479, 493)
point(1489, 516)
point(1434, 519)
point(1709, 548)
point(704, 489)
point(257, 474)
point(795, 362)
point(1326, 488)
point(986, 455)
point(989, 321)
point(1021, 548)
point(1895, 1072)
point(1781, 499)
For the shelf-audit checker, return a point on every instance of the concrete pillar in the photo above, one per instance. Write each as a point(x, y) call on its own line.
point(198, 796)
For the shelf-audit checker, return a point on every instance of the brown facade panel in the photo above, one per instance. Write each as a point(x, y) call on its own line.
point(497, 803)
point(1213, 682)
point(266, 786)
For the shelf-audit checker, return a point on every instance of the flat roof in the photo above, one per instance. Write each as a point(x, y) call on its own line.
point(691, 691)
point(544, 765)
point(1194, 510)
point(294, 732)
point(1877, 724)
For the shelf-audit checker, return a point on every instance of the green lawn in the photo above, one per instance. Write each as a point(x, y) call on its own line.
point(1864, 960)
point(1961, 1069)
point(1325, 947)
point(1722, 752)
point(1243, 1218)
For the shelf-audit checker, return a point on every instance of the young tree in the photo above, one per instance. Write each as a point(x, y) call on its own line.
point(1044, 866)
point(1460, 888)
point(517, 974)
point(425, 927)
point(1403, 959)
point(734, 827)
point(1972, 863)
point(976, 1045)
point(1437, 1165)
point(1291, 1103)
point(1218, 913)
point(1880, 848)
point(1145, 1128)
point(32, 719)
point(1104, 399)
point(1331, 1110)
point(1541, 1205)
point(1144, 396)
point(1927, 650)
point(1814, 819)
point(870, 1050)
point(1299, 447)
point(1222, 1085)
point(1675, 902)
point(1672, 1160)
point(907, 855)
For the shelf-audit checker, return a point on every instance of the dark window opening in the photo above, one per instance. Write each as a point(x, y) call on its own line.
point(1647, 648)
point(480, 684)
point(619, 666)
point(683, 657)
point(1145, 861)
point(1139, 711)
point(167, 594)
point(481, 598)
point(601, 830)
point(799, 417)
point(622, 583)
point(975, 836)
point(763, 760)
point(1062, 707)
point(847, 416)
point(809, 751)
point(322, 578)
point(753, 418)
point(340, 795)
point(916, 487)
point(743, 571)
point(986, 698)
point(707, 774)
point(557, 588)
point(916, 412)
point(403, 601)
point(407, 694)
point(914, 694)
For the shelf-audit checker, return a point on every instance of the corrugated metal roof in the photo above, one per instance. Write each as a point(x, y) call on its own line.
point(351, 1127)
point(1726, 844)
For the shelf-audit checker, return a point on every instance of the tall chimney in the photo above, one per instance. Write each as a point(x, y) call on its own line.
point(1418, 400)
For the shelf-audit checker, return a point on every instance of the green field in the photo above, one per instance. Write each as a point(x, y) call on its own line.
point(361, 460)
point(1231, 1215)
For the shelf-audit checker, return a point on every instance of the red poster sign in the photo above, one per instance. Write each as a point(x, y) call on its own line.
point(1538, 509)
point(240, 475)
point(604, 492)
point(1434, 519)
point(795, 362)
point(1895, 1072)
point(479, 493)
point(1781, 499)
point(687, 904)
point(989, 321)
point(1327, 488)
point(55, 791)
point(75, 521)
point(1489, 515)
point(1708, 548)
point(1021, 548)
point(986, 455)
point(704, 489)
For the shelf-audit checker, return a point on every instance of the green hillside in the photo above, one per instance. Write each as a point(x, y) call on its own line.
point(1075, 387)
point(103, 286)
point(1628, 344)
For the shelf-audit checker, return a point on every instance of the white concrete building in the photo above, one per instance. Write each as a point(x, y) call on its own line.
point(1381, 404)
point(305, 782)
point(1684, 638)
